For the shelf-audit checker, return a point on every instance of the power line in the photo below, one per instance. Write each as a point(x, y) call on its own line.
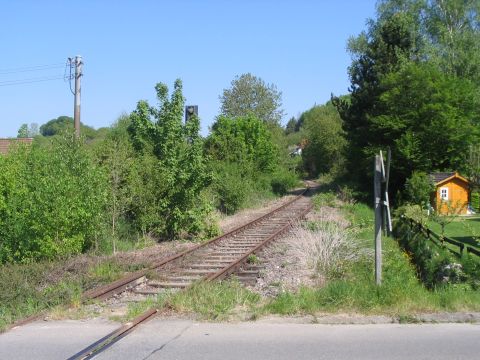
point(30, 80)
point(31, 68)
point(70, 65)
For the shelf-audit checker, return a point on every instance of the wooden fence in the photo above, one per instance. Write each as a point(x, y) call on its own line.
point(440, 240)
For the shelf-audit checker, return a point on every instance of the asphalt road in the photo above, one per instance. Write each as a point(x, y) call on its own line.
point(181, 339)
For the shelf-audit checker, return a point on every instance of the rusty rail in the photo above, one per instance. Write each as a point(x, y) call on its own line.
point(234, 267)
point(113, 337)
point(133, 279)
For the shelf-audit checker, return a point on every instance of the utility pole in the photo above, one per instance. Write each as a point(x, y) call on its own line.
point(377, 184)
point(76, 111)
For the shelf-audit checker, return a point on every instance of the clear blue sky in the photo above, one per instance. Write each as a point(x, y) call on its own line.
point(129, 46)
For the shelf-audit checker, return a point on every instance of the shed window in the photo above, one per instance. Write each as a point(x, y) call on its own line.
point(444, 193)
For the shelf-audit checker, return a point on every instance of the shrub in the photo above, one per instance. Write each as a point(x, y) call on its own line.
point(435, 265)
point(51, 203)
point(231, 188)
point(418, 188)
point(174, 203)
point(325, 199)
point(282, 181)
point(347, 194)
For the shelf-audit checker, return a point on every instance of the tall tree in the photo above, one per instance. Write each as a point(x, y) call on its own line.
point(64, 124)
point(414, 83)
point(453, 30)
point(23, 131)
point(26, 131)
point(250, 95)
point(180, 167)
point(325, 142)
point(243, 140)
point(382, 50)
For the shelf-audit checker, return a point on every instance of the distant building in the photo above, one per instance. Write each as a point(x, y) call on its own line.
point(451, 189)
point(7, 144)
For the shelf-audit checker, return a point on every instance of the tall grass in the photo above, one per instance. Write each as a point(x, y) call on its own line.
point(214, 301)
point(27, 289)
point(355, 291)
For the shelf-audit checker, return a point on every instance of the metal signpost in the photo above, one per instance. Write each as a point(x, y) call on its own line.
point(382, 208)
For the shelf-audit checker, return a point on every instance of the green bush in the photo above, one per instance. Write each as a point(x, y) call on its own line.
point(435, 265)
point(170, 190)
point(325, 199)
point(231, 187)
point(283, 181)
point(51, 201)
point(418, 188)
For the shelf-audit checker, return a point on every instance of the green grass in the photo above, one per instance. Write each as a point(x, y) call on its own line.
point(27, 289)
point(213, 300)
point(207, 300)
point(461, 229)
point(401, 293)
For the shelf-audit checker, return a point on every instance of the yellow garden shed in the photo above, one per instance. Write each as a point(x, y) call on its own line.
point(451, 193)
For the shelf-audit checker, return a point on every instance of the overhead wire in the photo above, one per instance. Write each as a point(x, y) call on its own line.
point(31, 68)
point(29, 80)
point(70, 77)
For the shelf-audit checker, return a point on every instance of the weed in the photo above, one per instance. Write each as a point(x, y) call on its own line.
point(407, 319)
point(108, 271)
point(137, 308)
point(213, 301)
point(325, 199)
point(354, 290)
point(252, 259)
point(325, 249)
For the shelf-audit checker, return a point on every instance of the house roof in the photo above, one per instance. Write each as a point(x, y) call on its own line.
point(441, 177)
point(5, 144)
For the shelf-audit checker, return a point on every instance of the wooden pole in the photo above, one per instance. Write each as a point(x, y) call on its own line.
point(377, 179)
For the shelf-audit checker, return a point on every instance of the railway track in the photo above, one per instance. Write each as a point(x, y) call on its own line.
point(214, 260)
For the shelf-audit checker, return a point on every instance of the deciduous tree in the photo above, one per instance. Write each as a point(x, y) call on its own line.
point(251, 96)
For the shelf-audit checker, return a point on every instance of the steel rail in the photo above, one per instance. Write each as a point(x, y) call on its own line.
point(237, 264)
point(119, 286)
point(108, 340)
point(113, 337)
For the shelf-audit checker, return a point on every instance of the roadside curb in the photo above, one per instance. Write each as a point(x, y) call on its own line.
point(352, 319)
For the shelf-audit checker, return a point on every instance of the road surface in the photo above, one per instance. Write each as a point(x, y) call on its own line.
point(184, 339)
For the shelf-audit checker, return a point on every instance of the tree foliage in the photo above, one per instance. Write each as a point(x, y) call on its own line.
point(243, 140)
point(26, 131)
point(419, 188)
point(251, 96)
point(65, 124)
point(413, 88)
point(325, 142)
point(177, 164)
point(51, 201)
point(246, 160)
